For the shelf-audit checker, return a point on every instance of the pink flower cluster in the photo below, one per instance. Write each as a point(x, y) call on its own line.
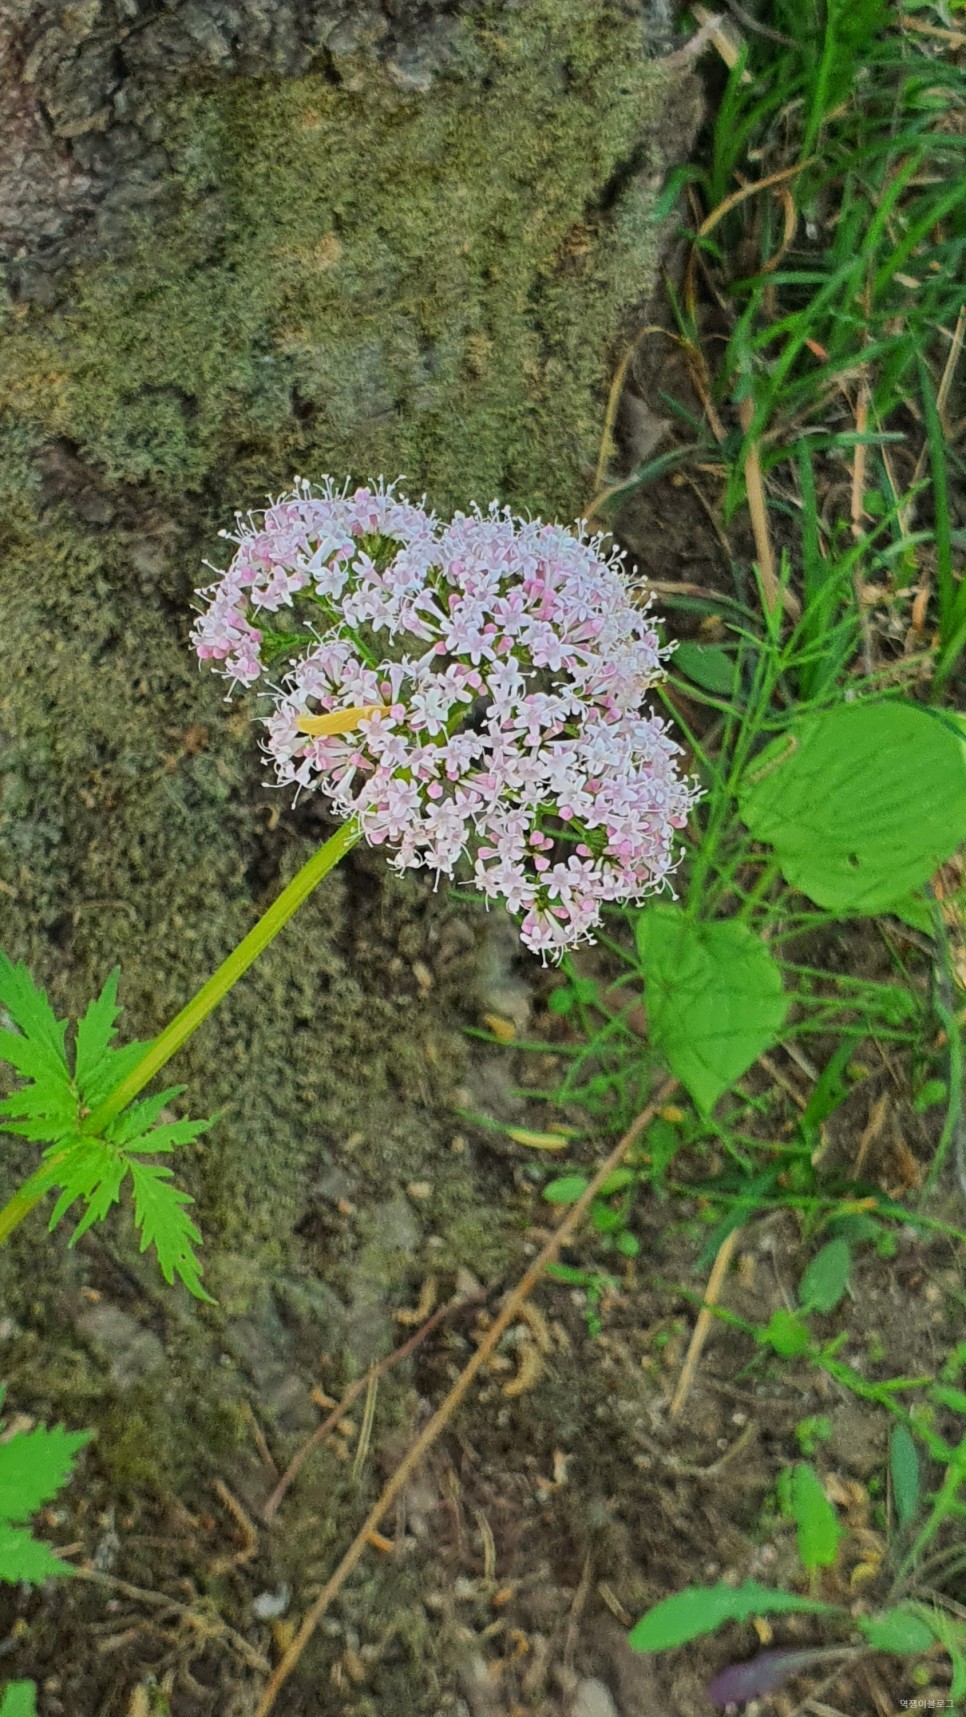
point(491, 671)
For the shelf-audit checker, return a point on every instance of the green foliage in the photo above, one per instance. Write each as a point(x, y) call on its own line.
point(703, 1609)
point(826, 1277)
point(900, 1631)
point(83, 1167)
point(345, 276)
point(714, 998)
point(34, 1466)
point(19, 1699)
point(904, 1472)
point(861, 803)
point(818, 1533)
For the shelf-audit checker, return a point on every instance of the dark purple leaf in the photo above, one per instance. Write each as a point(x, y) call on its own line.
point(744, 1681)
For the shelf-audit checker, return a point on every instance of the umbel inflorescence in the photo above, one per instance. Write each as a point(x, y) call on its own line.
point(467, 691)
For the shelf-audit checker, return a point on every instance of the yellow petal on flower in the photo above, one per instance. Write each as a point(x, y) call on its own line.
point(339, 720)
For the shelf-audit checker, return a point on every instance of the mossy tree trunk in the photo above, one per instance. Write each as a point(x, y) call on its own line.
point(243, 241)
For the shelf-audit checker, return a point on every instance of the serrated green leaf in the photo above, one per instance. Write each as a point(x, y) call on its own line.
point(31, 1012)
point(86, 1169)
point(40, 1112)
point(861, 804)
point(900, 1631)
point(701, 1609)
point(26, 1558)
point(167, 1138)
point(904, 1471)
point(34, 1465)
point(826, 1277)
point(714, 998)
point(95, 1031)
point(817, 1526)
point(19, 1699)
point(114, 1066)
point(160, 1212)
point(139, 1117)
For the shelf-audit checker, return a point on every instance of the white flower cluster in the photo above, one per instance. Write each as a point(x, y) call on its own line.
point(470, 690)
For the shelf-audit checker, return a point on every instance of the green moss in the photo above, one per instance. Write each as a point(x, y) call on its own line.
point(343, 278)
point(358, 278)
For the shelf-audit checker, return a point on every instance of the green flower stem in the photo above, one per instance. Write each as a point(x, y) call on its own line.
point(186, 1023)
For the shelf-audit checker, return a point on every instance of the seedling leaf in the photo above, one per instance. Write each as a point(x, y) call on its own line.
point(904, 1470)
point(826, 1278)
point(786, 1333)
point(708, 665)
point(701, 1609)
point(861, 803)
point(741, 1682)
point(900, 1631)
point(817, 1526)
point(714, 998)
point(565, 1190)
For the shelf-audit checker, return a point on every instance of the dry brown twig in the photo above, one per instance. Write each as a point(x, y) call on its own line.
point(358, 1387)
point(434, 1427)
point(702, 1328)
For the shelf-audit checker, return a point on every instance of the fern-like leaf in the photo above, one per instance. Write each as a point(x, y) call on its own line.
point(54, 1109)
point(36, 1049)
point(95, 1031)
point(160, 1211)
point(26, 1558)
point(34, 1466)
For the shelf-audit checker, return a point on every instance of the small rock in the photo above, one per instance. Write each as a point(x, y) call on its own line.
point(591, 1699)
point(131, 1352)
point(268, 1606)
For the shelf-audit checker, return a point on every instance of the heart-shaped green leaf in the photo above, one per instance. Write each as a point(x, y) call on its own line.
point(861, 804)
point(714, 998)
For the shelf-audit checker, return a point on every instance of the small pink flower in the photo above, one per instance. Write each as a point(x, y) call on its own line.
point(491, 672)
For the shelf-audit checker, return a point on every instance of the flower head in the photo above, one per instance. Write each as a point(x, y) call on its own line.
point(469, 692)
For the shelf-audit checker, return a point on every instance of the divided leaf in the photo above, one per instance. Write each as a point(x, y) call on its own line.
point(38, 1051)
point(862, 804)
point(714, 998)
point(160, 1211)
point(95, 1031)
point(26, 1558)
point(53, 1111)
point(34, 1465)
